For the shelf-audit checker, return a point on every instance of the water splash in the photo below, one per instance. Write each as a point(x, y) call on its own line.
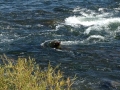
point(96, 28)
point(89, 21)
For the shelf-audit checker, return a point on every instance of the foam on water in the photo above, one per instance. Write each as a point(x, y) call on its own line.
point(98, 26)
point(95, 37)
point(4, 38)
point(70, 42)
point(88, 21)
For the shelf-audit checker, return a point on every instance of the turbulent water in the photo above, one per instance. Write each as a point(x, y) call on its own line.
point(89, 32)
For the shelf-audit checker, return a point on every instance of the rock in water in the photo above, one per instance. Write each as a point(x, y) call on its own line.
point(110, 85)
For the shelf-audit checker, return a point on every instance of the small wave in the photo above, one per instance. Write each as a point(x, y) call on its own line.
point(96, 28)
point(88, 21)
point(95, 37)
point(70, 42)
point(5, 38)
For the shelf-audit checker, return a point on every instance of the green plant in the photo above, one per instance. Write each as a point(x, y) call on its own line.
point(25, 74)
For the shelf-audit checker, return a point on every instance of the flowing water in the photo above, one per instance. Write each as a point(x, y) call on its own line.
point(89, 31)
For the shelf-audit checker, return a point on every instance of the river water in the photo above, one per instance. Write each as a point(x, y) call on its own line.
point(89, 32)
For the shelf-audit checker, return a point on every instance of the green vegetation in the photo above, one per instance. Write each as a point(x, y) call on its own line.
point(25, 74)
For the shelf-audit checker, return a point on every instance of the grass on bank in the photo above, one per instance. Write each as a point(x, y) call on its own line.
point(25, 74)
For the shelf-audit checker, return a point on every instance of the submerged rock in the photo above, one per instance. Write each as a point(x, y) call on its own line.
point(110, 85)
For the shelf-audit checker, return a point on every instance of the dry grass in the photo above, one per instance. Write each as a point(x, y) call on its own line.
point(25, 74)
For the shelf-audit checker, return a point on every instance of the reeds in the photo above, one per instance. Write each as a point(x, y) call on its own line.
point(25, 74)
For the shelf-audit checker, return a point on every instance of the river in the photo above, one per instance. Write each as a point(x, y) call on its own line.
point(89, 32)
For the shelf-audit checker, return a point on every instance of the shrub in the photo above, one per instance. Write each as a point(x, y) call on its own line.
point(25, 74)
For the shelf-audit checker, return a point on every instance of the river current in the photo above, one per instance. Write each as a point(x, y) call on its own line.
point(89, 32)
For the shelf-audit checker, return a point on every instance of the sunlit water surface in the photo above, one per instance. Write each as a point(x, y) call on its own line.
point(89, 31)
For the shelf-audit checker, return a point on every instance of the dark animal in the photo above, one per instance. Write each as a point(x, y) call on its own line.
point(55, 44)
point(52, 44)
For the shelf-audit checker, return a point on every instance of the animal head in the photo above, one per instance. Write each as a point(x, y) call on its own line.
point(55, 44)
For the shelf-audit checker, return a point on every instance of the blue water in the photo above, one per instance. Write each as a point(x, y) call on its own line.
point(89, 32)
